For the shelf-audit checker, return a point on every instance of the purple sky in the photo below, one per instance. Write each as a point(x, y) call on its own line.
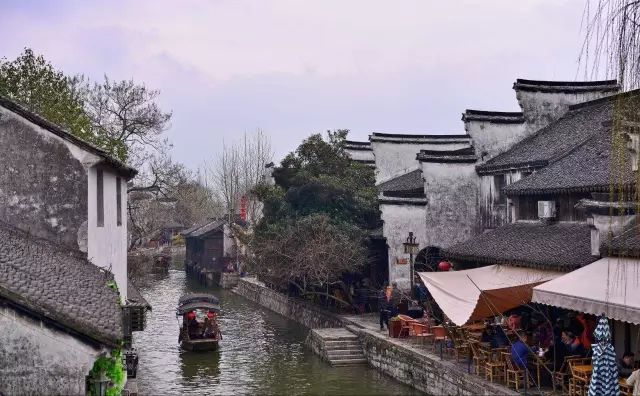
point(292, 68)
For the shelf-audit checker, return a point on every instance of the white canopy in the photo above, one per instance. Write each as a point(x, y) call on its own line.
point(483, 292)
point(610, 286)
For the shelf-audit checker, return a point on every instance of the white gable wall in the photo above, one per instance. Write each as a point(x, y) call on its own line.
point(107, 245)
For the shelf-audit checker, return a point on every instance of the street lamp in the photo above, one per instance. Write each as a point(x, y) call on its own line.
point(411, 248)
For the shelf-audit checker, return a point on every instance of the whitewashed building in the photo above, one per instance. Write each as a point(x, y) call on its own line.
point(448, 188)
point(63, 243)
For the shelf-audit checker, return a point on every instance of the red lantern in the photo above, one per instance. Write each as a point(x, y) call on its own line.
point(444, 266)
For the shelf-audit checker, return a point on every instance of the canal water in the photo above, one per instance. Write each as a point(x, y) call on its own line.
point(261, 353)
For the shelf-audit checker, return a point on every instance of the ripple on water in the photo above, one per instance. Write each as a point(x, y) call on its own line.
point(260, 353)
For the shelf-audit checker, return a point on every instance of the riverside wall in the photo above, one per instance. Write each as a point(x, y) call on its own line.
point(300, 311)
point(397, 358)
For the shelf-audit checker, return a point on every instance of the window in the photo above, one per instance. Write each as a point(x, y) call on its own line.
point(100, 197)
point(118, 201)
point(499, 182)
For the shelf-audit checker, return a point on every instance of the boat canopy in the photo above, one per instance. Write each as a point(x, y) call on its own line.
point(184, 308)
point(202, 297)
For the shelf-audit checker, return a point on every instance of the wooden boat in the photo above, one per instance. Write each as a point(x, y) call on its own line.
point(198, 317)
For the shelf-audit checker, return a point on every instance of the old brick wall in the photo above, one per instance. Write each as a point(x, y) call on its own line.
point(30, 361)
point(43, 185)
point(294, 309)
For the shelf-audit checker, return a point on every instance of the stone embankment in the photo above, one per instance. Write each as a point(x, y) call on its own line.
point(302, 312)
point(333, 337)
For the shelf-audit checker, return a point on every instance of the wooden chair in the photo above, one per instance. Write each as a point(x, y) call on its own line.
point(479, 356)
point(514, 375)
point(460, 344)
point(625, 389)
point(578, 382)
point(494, 368)
point(439, 336)
point(561, 376)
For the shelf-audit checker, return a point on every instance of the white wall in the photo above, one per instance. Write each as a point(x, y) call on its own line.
point(399, 220)
point(40, 360)
point(393, 159)
point(542, 108)
point(107, 246)
point(451, 190)
point(491, 139)
point(360, 155)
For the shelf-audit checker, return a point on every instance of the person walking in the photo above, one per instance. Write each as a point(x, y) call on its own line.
point(384, 297)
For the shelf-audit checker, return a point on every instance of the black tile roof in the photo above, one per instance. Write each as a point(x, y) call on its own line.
point(464, 155)
point(37, 119)
point(203, 229)
point(418, 139)
point(566, 86)
point(588, 168)
point(59, 285)
point(555, 140)
point(496, 117)
point(556, 246)
point(627, 244)
point(135, 298)
point(409, 185)
point(355, 145)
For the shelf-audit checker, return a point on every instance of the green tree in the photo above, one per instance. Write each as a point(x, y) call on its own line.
point(315, 217)
point(33, 82)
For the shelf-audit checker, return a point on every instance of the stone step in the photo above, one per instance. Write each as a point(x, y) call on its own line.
point(348, 351)
point(342, 352)
point(341, 344)
point(349, 362)
point(350, 337)
point(346, 358)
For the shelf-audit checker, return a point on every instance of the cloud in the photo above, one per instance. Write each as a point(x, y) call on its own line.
point(293, 68)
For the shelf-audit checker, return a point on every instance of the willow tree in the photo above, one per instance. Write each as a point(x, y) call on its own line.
point(612, 41)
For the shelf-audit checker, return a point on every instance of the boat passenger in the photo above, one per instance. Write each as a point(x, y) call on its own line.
point(210, 326)
point(192, 325)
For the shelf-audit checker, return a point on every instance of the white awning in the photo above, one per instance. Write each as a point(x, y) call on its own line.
point(483, 292)
point(610, 286)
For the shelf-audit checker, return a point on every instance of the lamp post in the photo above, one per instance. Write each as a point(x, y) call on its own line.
point(411, 248)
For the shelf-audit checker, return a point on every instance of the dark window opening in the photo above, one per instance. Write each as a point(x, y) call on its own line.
point(100, 197)
point(499, 182)
point(118, 201)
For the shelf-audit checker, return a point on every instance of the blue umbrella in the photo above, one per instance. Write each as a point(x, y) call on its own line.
point(604, 378)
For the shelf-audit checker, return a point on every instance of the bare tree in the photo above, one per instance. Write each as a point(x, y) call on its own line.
point(311, 253)
point(612, 41)
point(238, 169)
point(127, 117)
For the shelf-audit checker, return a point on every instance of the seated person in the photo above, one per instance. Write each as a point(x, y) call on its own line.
point(514, 321)
point(210, 326)
point(625, 365)
point(488, 334)
point(520, 351)
point(500, 338)
point(193, 326)
point(572, 344)
point(543, 332)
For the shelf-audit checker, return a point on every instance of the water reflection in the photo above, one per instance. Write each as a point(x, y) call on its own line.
point(260, 353)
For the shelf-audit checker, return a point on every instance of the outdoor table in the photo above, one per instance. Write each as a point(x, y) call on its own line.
point(539, 363)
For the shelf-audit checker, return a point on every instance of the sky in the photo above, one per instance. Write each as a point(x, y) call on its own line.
point(293, 68)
